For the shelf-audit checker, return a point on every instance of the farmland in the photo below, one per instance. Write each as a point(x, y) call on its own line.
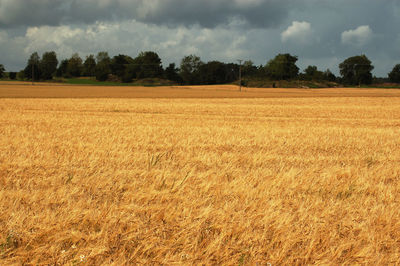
point(57, 90)
point(191, 175)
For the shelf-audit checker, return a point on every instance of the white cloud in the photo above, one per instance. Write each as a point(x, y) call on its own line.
point(358, 37)
point(299, 32)
point(132, 37)
point(46, 34)
point(48, 38)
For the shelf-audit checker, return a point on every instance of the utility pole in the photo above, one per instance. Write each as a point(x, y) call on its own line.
point(240, 74)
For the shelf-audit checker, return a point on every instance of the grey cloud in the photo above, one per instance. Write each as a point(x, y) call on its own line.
point(14, 13)
point(263, 13)
point(213, 29)
point(206, 13)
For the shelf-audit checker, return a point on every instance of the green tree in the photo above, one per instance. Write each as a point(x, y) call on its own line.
point(130, 73)
point(33, 67)
point(312, 73)
point(232, 73)
point(149, 65)
point(2, 71)
point(119, 65)
point(48, 65)
point(75, 66)
point(102, 71)
point(356, 70)
point(103, 68)
point(283, 66)
point(394, 75)
point(12, 75)
point(189, 68)
point(249, 69)
point(21, 75)
point(172, 73)
point(89, 66)
point(329, 76)
point(62, 70)
point(103, 57)
point(213, 72)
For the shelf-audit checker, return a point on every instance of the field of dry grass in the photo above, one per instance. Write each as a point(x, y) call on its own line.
point(193, 181)
point(57, 90)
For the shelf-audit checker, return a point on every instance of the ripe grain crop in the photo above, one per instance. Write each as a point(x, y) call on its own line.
point(200, 181)
point(57, 90)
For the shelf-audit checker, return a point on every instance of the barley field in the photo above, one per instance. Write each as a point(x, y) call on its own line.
point(225, 181)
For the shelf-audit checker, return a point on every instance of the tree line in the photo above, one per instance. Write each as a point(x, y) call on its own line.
point(192, 70)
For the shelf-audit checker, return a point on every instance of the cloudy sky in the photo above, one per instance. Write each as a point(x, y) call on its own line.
point(319, 32)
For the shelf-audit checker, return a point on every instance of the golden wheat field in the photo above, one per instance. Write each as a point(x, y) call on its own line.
point(56, 90)
point(227, 181)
